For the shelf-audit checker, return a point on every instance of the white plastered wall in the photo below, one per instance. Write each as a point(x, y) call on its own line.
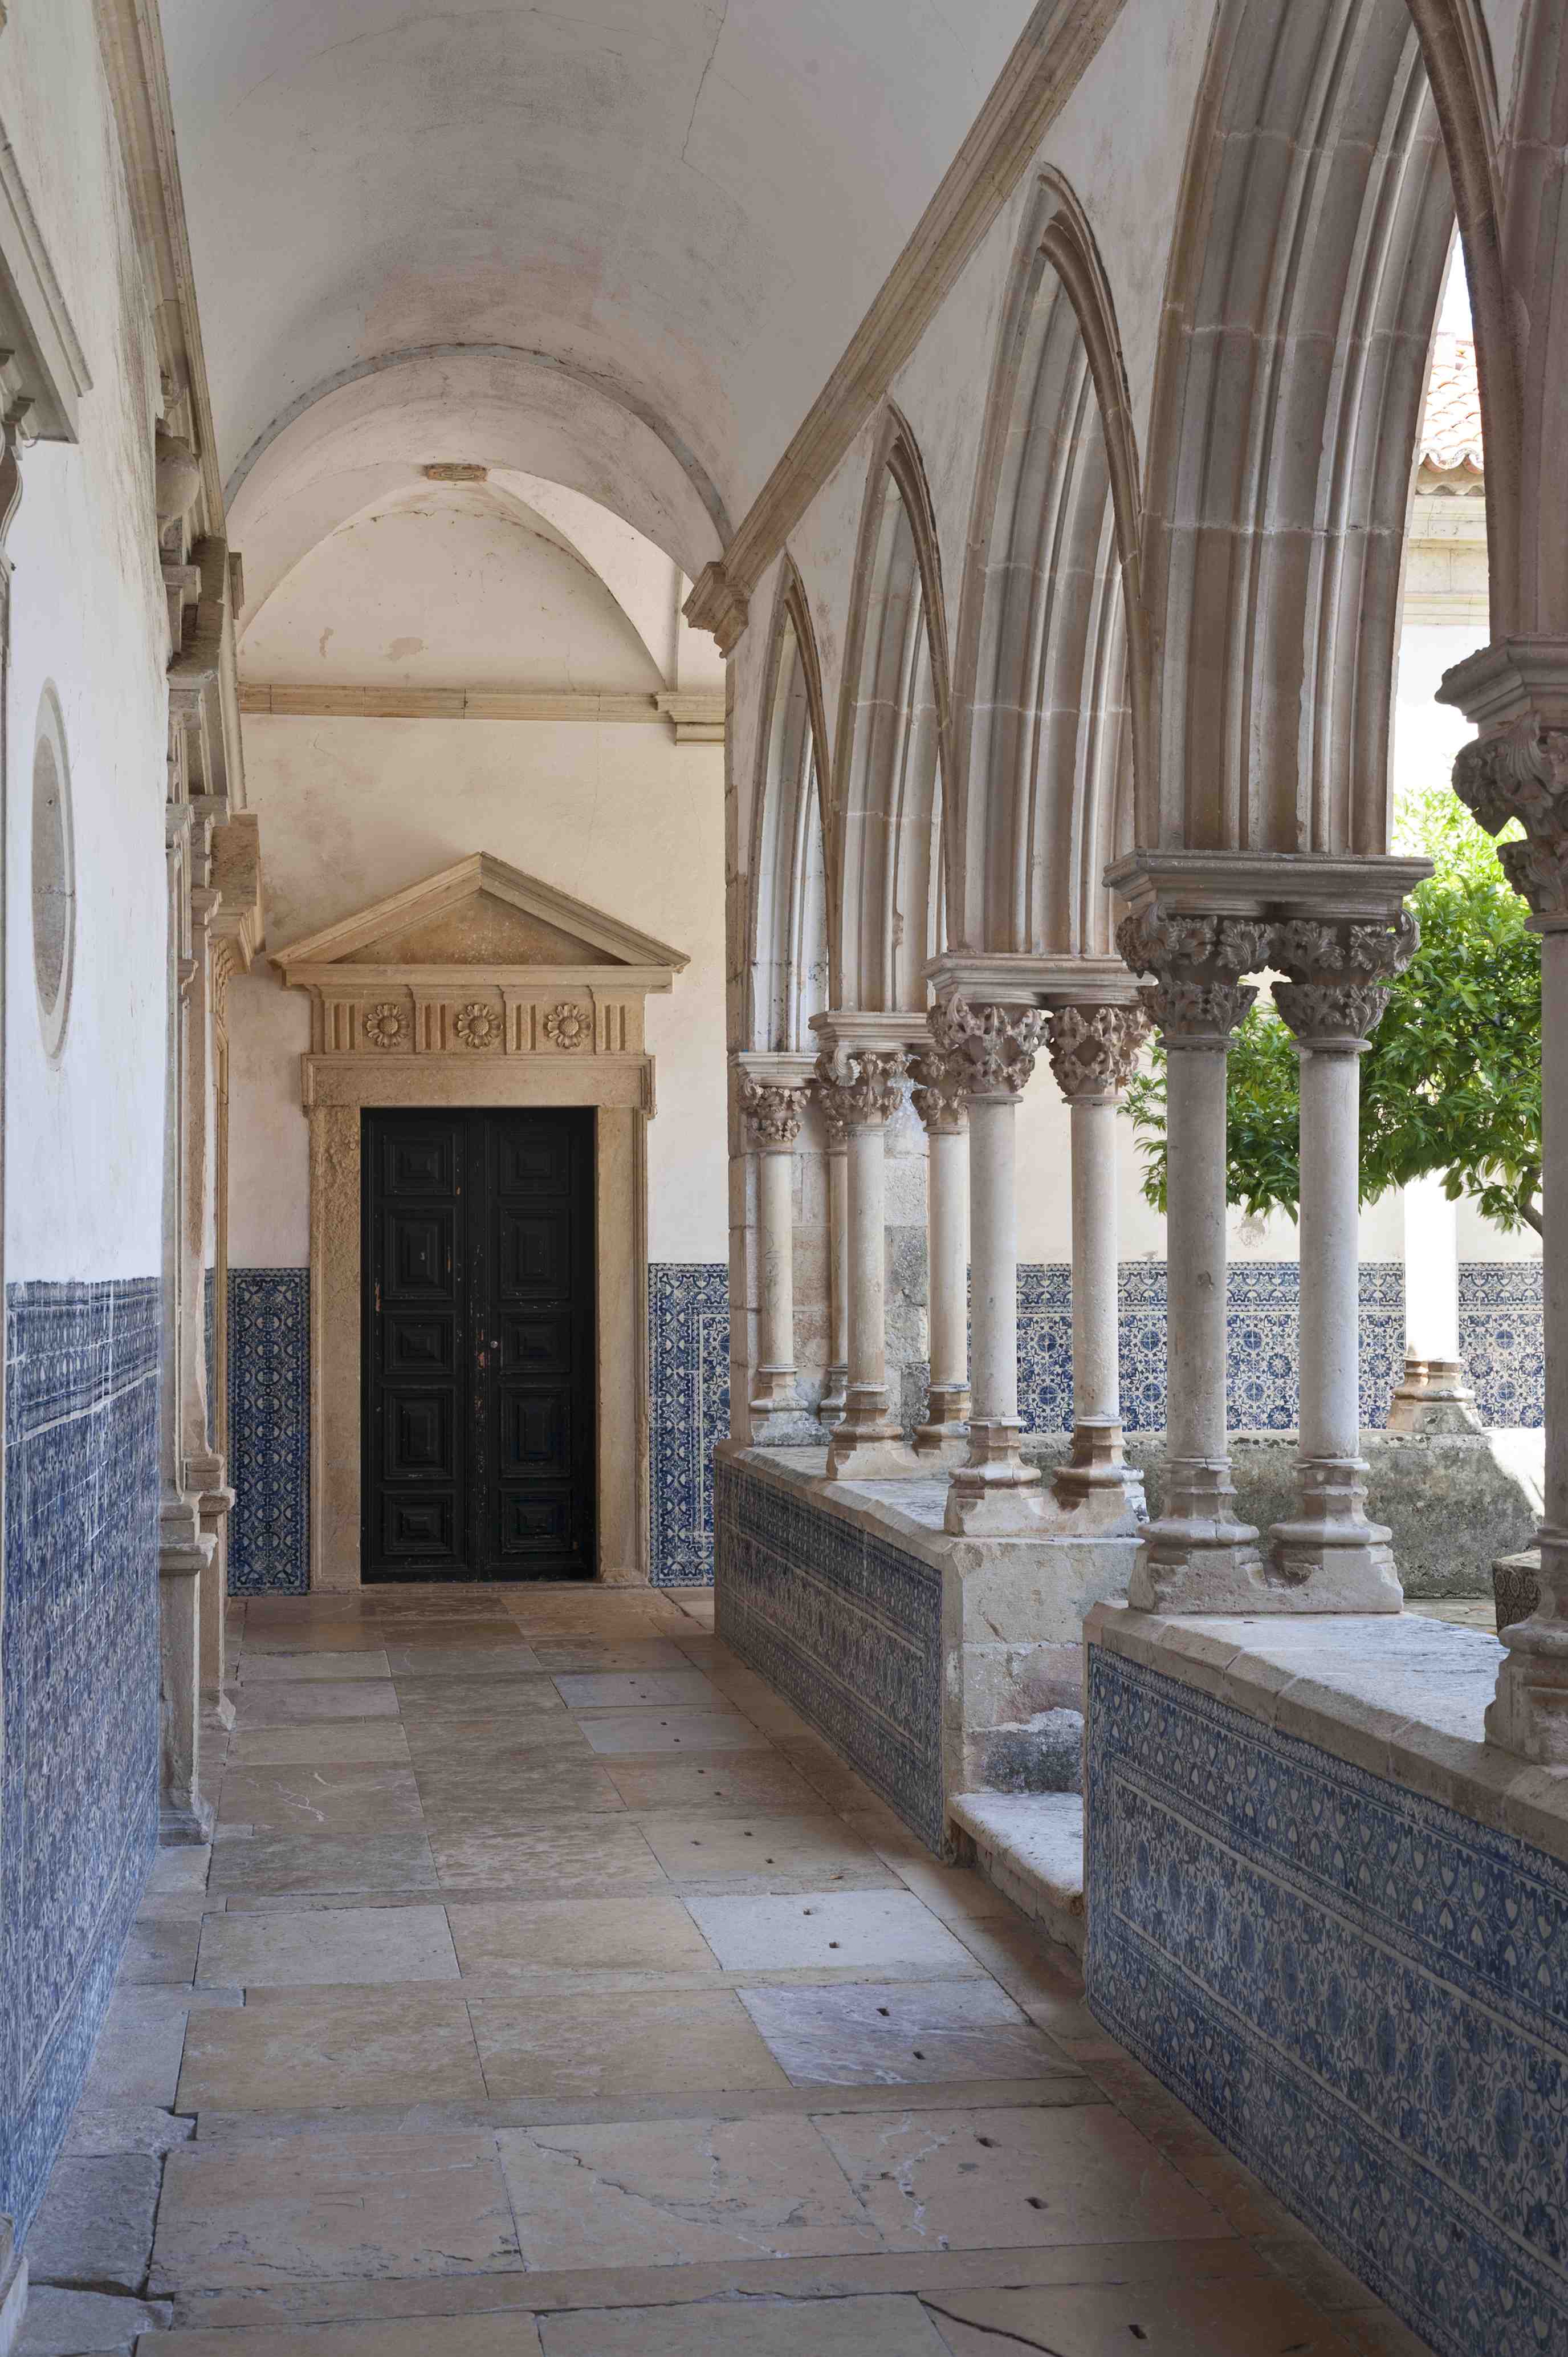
point(84, 1134)
point(618, 815)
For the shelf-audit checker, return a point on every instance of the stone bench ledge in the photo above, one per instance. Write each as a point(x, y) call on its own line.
point(1030, 1847)
point(1403, 1698)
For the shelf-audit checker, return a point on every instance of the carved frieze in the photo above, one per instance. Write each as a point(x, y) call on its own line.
point(475, 1025)
point(384, 1024)
point(568, 1026)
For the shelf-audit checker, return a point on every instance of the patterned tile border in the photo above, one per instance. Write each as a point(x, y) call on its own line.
point(688, 1362)
point(80, 1810)
point(1500, 1339)
point(269, 1431)
point(846, 1625)
point(1364, 1995)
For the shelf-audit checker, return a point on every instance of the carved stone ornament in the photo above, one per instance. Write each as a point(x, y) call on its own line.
point(1195, 1013)
point(938, 1093)
point(992, 1049)
point(384, 1024)
point(1328, 1014)
point(860, 1087)
point(567, 1025)
point(475, 1024)
point(1521, 772)
point(1093, 1050)
point(774, 1111)
point(1194, 949)
point(1310, 949)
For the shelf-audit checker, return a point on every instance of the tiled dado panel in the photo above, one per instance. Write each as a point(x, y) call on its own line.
point(1362, 1994)
point(79, 1812)
point(688, 1365)
point(269, 1422)
point(846, 1625)
point(269, 1431)
point(1262, 1361)
point(1500, 1339)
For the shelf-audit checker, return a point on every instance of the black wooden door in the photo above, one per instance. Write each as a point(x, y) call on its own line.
point(479, 1346)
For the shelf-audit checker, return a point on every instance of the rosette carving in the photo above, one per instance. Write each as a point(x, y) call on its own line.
point(938, 1093)
point(774, 1111)
point(477, 1024)
point(990, 1049)
point(1521, 772)
point(860, 1087)
point(1093, 1050)
point(567, 1025)
point(384, 1024)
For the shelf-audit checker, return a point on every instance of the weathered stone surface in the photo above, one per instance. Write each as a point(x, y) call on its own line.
point(1044, 1754)
point(94, 2231)
point(84, 2324)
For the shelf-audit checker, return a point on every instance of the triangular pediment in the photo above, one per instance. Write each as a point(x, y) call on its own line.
point(481, 912)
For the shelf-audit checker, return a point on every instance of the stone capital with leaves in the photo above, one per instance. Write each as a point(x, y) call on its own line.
point(860, 1088)
point(1094, 1050)
point(990, 1050)
point(774, 1111)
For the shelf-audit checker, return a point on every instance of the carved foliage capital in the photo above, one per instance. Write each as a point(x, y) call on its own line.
point(1521, 771)
point(1094, 1048)
point(992, 1049)
point(938, 1093)
point(774, 1111)
point(1195, 1013)
point(1193, 949)
point(1312, 949)
point(1332, 1014)
point(860, 1088)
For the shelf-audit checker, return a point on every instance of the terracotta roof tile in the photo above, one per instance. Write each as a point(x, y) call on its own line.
point(1451, 430)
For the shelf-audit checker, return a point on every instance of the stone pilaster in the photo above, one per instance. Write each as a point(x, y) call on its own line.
point(862, 1088)
point(1094, 1048)
point(1328, 1557)
point(939, 1098)
point(989, 1051)
point(1197, 1558)
point(1517, 693)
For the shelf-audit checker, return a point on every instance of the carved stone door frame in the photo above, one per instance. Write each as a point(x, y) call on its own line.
point(389, 1032)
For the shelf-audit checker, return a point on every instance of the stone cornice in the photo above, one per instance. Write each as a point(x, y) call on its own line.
point(695, 716)
point(1053, 52)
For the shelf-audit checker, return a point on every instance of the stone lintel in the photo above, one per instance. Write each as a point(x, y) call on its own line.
point(1011, 978)
point(1401, 1696)
point(881, 1035)
point(776, 1069)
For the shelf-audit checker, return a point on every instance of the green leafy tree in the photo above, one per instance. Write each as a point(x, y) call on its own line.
point(1452, 1080)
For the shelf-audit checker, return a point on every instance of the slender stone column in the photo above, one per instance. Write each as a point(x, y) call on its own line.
point(940, 1102)
point(1329, 1557)
point(860, 1087)
point(1197, 1558)
point(1093, 1050)
point(1518, 693)
point(774, 1113)
point(1433, 1395)
point(990, 1053)
point(831, 1404)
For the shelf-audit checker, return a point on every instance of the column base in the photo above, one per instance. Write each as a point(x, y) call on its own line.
point(792, 1427)
point(217, 1710)
point(1529, 1713)
point(835, 1397)
point(185, 1824)
point(942, 1445)
point(1198, 1558)
point(774, 1392)
point(1433, 1398)
point(996, 1494)
point(864, 1454)
point(1329, 1557)
point(1097, 1488)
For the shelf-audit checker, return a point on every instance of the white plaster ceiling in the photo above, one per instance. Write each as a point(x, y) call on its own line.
point(619, 244)
point(455, 585)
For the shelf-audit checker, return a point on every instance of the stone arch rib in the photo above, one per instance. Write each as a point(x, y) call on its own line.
point(1052, 698)
point(787, 960)
point(885, 817)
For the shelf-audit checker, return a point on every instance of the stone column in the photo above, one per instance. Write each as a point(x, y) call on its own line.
point(1093, 1050)
point(1518, 693)
point(860, 1087)
point(773, 1115)
point(990, 1053)
point(1433, 1395)
point(1197, 1558)
point(940, 1100)
point(831, 1404)
point(1328, 1557)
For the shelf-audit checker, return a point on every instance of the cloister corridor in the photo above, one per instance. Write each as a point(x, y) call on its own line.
point(548, 1986)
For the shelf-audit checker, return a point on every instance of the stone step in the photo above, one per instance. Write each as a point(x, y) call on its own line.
point(1030, 1845)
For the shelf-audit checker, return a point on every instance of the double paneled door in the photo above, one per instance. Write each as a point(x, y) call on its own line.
point(478, 1345)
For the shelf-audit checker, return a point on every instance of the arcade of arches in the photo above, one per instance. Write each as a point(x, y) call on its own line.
point(674, 1677)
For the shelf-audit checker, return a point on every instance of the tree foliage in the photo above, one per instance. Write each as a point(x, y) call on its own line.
point(1452, 1080)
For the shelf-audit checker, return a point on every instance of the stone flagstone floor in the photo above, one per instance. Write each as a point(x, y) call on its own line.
point(552, 1990)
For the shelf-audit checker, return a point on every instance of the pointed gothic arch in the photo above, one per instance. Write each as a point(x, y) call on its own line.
point(1050, 710)
point(888, 900)
point(787, 916)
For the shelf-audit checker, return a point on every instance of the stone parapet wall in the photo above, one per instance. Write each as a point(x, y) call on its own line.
point(1337, 1928)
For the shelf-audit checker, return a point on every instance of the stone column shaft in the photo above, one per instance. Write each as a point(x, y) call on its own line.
point(831, 1404)
point(1433, 1395)
point(1197, 1558)
point(775, 1382)
point(1094, 1048)
point(861, 1089)
point(944, 1436)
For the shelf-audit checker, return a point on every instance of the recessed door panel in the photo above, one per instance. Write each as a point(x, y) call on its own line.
point(478, 1357)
